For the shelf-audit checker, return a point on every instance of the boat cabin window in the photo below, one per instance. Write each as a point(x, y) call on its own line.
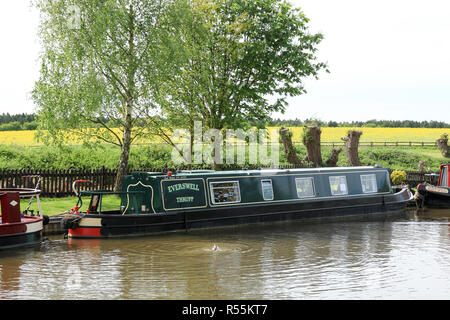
point(267, 189)
point(338, 185)
point(305, 187)
point(369, 183)
point(225, 192)
point(444, 178)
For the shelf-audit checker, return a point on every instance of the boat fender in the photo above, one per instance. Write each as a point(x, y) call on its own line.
point(45, 220)
point(75, 223)
point(71, 222)
point(418, 198)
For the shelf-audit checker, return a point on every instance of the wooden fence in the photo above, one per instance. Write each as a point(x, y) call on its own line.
point(382, 144)
point(322, 143)
point(58, 183)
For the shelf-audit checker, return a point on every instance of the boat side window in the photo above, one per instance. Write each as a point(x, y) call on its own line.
point(444, 179)
point(305, 187)
point(338, 185)
point(225, 192)
point(369, 183)
point(267, 189)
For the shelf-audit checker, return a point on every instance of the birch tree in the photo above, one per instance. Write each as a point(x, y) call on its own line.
point(99, 71)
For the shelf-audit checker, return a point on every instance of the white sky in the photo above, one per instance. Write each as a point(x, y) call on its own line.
point(388, 60)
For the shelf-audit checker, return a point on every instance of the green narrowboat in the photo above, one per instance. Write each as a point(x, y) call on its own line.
point(162, 202)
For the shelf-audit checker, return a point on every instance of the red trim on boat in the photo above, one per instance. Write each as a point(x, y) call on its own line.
point(12, 228)
point(30, 219)
point(18, 227)
point(448, 175)
point(81, 232)
point(441, 175)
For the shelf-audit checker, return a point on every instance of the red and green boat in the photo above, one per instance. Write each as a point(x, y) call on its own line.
point(20, 229)
point(154, 202)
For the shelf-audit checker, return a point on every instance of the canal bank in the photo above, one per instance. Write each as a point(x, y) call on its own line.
point(54, 227)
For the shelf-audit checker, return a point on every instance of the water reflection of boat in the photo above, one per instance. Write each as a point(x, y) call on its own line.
point(157, 202)
point(431, 196)
point(19, 229)
point(433, 214)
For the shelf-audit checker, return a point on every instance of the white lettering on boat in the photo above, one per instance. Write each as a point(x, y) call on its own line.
point(183, 186)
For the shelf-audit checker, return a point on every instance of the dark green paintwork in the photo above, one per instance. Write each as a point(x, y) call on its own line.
point(189, 190)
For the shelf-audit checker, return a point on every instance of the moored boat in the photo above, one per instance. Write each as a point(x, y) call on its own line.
point(157, 202)
point(19, 229)
point(428, 195)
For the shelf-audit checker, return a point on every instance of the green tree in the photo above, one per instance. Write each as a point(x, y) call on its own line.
point(98, 70)
point(235, 57)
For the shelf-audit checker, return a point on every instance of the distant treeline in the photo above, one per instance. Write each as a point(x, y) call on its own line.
point(367, 124)
point(14, 122)
point(25, 121)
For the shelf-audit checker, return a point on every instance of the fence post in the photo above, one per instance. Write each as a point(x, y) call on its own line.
point(102, 177)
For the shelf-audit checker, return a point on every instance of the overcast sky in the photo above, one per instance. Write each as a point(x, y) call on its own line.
point(388, 60)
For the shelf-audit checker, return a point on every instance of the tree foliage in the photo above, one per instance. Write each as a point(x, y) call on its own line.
point(97, 64)
point(235, 56)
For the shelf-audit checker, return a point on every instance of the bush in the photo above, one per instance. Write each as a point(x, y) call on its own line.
point(398, 176)
point(12, 126)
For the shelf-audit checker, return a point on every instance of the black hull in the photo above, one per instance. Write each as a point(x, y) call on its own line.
point(438, 201)
point(432, 199)
point(20, 240)
point(114, 225)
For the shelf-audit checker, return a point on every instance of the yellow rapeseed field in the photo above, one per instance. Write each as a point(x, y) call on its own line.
point(22, 138)
point(27, 138)
point(378, 134)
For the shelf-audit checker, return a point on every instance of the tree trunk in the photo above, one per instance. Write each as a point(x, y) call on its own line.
point(421, 166)
point(125, 154)
point(352, 144)
point(334, 157)
point(129, 104)
point(443, 145)
point(289, 150)
point(311, 139)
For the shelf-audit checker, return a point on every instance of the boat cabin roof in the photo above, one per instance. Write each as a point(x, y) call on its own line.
point(260, 172)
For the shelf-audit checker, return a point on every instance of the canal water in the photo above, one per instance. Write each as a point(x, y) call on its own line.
point(404, 258)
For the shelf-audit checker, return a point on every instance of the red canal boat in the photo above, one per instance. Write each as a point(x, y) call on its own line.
point(18, 229)
point(431, 196)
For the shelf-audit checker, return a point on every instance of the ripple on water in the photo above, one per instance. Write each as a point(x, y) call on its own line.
point(179, 246)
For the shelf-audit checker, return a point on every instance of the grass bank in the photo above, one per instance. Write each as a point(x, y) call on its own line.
point(54, 206)
point(156, 156)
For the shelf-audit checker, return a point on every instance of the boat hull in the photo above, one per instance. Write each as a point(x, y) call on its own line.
point(116, 225)
point(28, 232)
point(432, 197)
